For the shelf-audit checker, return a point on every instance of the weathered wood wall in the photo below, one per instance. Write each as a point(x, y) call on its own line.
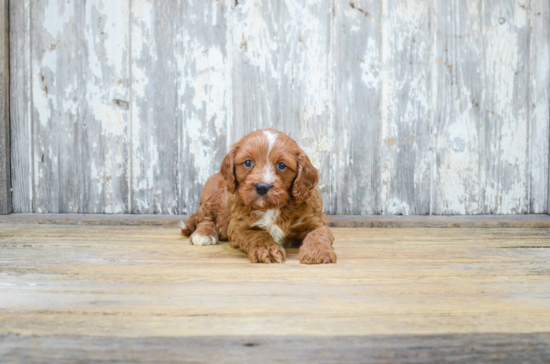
point(406, 107)
point(5, 180)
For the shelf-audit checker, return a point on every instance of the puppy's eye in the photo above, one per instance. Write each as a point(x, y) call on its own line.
point(248, 163)
point(281, 166)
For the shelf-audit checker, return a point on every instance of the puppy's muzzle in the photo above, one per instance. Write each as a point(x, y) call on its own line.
point(261, 188)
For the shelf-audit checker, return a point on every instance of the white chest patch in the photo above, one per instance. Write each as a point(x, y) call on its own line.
point(267, 222)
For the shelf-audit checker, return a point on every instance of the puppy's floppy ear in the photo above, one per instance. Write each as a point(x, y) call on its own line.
point(307, 178)
point(228, 170)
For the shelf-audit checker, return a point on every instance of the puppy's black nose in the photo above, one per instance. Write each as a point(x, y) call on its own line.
point(262, 188)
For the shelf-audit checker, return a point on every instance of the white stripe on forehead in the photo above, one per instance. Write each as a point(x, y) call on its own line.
point(271, 138)
point(268, 175)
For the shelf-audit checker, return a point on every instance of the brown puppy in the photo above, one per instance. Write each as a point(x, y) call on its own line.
point(264, 197)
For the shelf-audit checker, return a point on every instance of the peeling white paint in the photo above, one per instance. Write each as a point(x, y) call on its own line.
point(208, 83)
point(455, 117)
point(506, 183)
point(56, 15)
point(370, 65)
point(251, 31)
point(44, 85)
point(200, 151)
point(313, 147)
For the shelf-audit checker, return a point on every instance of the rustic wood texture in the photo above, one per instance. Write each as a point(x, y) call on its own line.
point(405, 143)
point(506, 108)
point(539, 57)
point(457, 291)
point(22, 157)
point(204, 119)
point(154, 144)
point(421, 349)
point(458, 94)
point(541, 221)
point(5, 178)
point(357, 102)
point(79, 95)
point(406, 107)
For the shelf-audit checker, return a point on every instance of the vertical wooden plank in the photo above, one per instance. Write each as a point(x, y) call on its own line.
point(20, 106)
point(256, 46)
point(79, 78)
point(506, 124)
point(204, 101)
point(306, 89)
point(105, 80)
point(458, 103)
point(282, 77)
point(56, 109)
point(154, 136)
point(5, 186)
point(406, 102)
point(539, 82)
point(357, 122)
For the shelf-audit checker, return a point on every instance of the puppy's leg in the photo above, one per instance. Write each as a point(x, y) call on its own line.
point(205, 234)
point(317, 247)
point(259, 245)
point(189, 226)
point(201, 226)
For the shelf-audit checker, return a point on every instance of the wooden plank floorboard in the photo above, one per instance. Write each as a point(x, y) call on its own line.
point(468, 348)
point(142, 293)
point(387, 221)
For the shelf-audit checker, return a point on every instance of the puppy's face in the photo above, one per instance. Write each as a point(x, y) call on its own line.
point(266, 169)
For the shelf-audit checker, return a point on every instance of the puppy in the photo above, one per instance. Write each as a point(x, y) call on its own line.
point(265, 196)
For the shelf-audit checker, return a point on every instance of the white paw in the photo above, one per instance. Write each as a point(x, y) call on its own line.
point(202, 240)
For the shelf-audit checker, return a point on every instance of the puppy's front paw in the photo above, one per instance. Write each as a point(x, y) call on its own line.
point(271, 253)
point(319, 255)
point(184, 229)
point(201, 240)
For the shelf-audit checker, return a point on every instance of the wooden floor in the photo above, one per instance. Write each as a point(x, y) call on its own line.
point(141, 293)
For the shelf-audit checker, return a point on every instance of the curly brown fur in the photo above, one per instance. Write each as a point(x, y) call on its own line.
point(259, 224)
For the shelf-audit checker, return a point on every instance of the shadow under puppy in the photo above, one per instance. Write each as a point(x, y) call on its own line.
point(265, 196)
